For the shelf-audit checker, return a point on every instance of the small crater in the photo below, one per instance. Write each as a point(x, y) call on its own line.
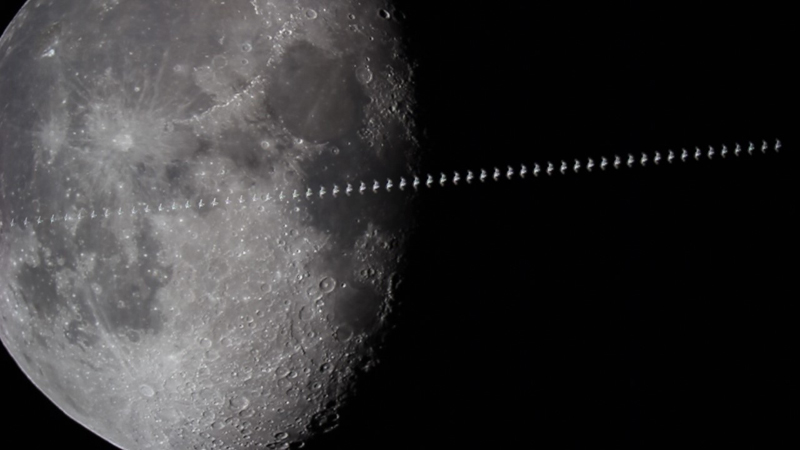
point(344, 333)
point(327, 285)
point(133, 336)
point(239, 403)
point(147, 391)
point(384, 14)
point(306, 313)
point(314, 293)
point(311, 14)
point(364, 74)
point(219, 62)
point(282, 436)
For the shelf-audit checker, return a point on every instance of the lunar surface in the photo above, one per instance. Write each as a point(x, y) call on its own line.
point(176, 269)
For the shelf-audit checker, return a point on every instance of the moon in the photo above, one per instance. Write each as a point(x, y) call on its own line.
point(176, 268)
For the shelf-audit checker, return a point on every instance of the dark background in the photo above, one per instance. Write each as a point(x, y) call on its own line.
point(653, 308)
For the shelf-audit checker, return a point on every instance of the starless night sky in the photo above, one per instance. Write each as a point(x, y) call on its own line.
point(653, 308)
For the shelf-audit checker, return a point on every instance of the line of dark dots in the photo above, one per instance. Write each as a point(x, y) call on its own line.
point(414, 181)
